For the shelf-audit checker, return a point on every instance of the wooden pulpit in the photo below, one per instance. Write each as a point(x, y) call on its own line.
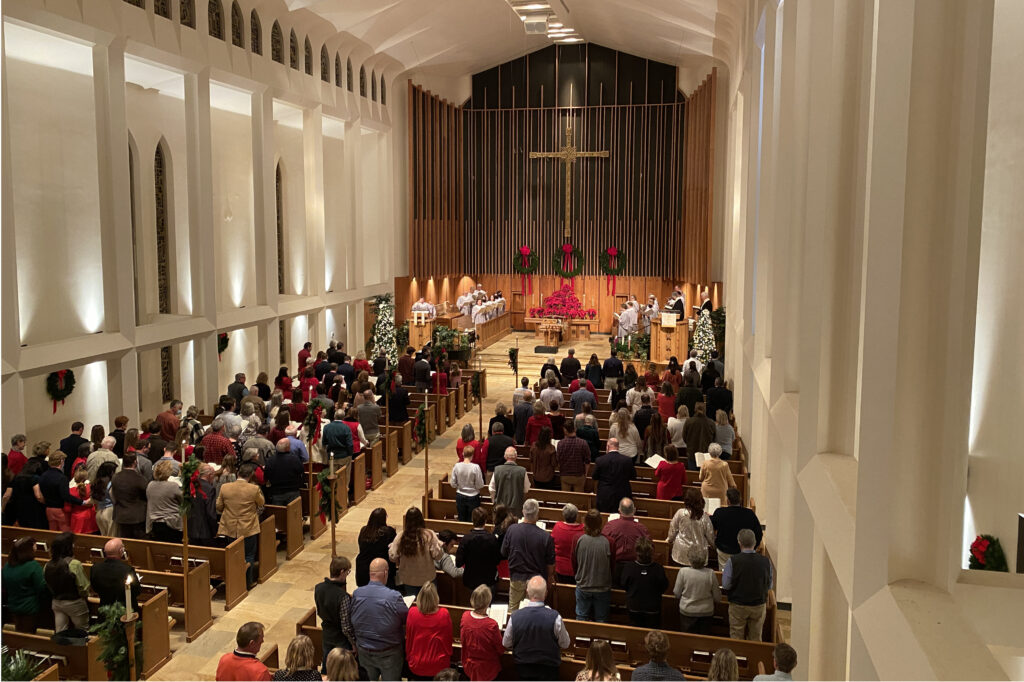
point(421, 332)
point(668, 341)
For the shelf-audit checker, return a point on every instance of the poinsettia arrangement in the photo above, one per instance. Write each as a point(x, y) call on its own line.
point(563, 303)
point(987, 554)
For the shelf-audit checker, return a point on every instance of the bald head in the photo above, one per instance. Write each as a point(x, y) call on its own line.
point(379, 570)
point(284, 445)
point(536, 588)
point(114, 549)
point(510, 454)
point(613, 445)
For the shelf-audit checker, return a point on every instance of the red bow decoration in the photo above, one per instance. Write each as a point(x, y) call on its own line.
point(567, 262)
point(194, 487)
point(525, 280)
point(314, 426)
point(60, 386)
point(978, 549)
point(609, 282)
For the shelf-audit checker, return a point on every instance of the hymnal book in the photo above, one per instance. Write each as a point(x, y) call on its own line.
point(654, 460)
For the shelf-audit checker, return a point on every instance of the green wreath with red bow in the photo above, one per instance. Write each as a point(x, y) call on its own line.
point(568, 261)
point(59, 385)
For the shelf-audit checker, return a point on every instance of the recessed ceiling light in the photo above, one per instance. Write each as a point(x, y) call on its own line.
point(555, 24)
point(569, 40)
point(534, 6)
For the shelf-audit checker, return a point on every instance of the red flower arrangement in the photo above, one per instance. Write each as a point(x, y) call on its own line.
point(563, 303)
point(987, 554)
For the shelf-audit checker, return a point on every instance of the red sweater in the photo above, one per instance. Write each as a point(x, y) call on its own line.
point(533, 426)
point(481, 647)
point(666, 406)
point(564, 536)
point(235, 666)
point(428, 641)
point(671, 477)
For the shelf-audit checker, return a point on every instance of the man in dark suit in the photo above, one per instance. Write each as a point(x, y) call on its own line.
point(612, 368)
point(128, 489)
point(719, 398)
point(406, 363)
point(613, 472)
point(570, 366)
point(346, 370)
point(69, 446)
point(421, 374)
point(108, 576)
point(496, 445)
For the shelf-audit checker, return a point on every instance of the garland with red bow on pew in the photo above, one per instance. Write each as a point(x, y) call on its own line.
point(190, 489)
point(59, 385)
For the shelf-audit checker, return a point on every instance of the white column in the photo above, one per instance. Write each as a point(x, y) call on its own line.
point(264, 198)
point(313, 176)
point(10, 331)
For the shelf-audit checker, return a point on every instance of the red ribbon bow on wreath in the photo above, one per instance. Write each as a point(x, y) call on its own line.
point(60, 387)
point(613, 255)
point(193, 485)
point(526, 279)
point(567, 263)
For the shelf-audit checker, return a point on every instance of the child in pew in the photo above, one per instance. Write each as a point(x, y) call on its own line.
point(449, 543)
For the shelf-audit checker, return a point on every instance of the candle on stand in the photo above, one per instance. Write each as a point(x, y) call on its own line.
point(128, 595)
point(330, 465)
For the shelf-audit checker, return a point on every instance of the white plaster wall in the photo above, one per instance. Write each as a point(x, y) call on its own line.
point(373, 226)
point(337, 209)
point(995, 486)
point(88, 404)
point(240, 356)
point(235, 234)
point(154, 117)
point(52, 119)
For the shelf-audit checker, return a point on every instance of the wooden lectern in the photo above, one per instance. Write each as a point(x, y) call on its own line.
point(421, 331)
point(667, 341)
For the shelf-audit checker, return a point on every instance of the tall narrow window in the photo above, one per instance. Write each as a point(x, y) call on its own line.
point(282, 342)
point(135, 230)
point(237, 26)
point(308, 57)
point(337, 69)
point(166, 374)
point(293, 51)
point(216, 14)
point(348, 74)
point(383, 91)
point(256, 31)
point(373, 85)
point(187, 11)
point(362, 81)
point(277, 44)
point(280, 229)
point(162, 8)
point(163, 251)
point(325, 65)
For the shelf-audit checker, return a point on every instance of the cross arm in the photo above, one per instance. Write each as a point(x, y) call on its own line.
point(547, 155)
point(592, 154)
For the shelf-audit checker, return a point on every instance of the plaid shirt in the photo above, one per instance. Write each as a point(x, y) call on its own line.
point(215, 447)
point(573, 456)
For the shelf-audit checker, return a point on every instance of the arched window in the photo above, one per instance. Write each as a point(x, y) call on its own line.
point(337, 69)
point(276, 44)
point(237, 26)
point(279, 194)
point(256, 31)
point(348, 74)
point(162, 8)
point(293, 51)
point(373, 85)
point(166, 374)
point(383, 91)
point(163, 240)
point(362, 81)
point(187, 10)
point(325, 65)
point(308, 57)
point(216, 13)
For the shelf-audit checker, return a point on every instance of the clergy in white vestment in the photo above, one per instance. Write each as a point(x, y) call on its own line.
point(479, 313)
point(465, 303)
point(627, 321)
point(423, 306)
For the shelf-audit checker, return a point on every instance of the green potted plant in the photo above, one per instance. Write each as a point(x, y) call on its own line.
point(18, 665)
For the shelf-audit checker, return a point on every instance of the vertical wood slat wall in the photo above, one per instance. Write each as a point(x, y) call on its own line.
point(698, 182)
point(435, 185)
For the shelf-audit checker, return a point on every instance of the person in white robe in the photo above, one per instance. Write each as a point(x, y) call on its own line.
point(627, 321)
point(465, 303)
point(422, 306)
point(479, 313)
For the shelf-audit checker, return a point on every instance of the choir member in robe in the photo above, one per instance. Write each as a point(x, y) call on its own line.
point(422, 306)
point(627, 321)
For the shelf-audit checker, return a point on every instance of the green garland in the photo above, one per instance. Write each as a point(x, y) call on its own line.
point(111, 632)
point(604, 262)
point(323, 487)
point(513, 358)
point(474, 385)
point(59, 385)
point(533, 262)
point(189, 485)
point(556, 263)
point(419, 425)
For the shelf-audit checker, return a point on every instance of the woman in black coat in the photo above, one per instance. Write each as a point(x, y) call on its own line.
point(374, 539)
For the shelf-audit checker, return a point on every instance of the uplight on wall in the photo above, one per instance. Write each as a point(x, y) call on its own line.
point(540, 19)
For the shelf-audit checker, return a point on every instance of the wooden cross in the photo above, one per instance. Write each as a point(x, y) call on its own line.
point(567, 154)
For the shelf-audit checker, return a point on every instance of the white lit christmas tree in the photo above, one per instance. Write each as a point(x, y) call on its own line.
point(704, 337)
point(384, 329)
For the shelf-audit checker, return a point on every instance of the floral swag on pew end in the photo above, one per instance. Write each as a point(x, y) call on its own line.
point(563, 303)
point(59, 385)
point(987, 554)
point(525, 264)
point(612, 262)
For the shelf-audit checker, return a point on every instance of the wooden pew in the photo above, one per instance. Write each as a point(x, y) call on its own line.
point(266, 553)
point(358, 477)
point(405, 445)
point(310, 500)
point(79, 662)
point(376, 465)
point(288, 522)
point(270, 657)
point(226, 564)
point(391, 438)
point(51, 674)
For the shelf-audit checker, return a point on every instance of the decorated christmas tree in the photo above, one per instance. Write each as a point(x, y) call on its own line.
point(704, 337)
point(383, 333)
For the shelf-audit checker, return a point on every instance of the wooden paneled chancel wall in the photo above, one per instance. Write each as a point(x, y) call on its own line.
point(698, 181)
point(435, 185)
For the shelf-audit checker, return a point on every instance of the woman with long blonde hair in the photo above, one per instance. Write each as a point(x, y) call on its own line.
point(600, 663)
point(299, 661)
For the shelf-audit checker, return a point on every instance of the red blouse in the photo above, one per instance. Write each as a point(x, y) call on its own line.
point(83, 519)
point(533, 426)
point(671, 478)
point(666, 406)
point(428, 641)
point(481, 647)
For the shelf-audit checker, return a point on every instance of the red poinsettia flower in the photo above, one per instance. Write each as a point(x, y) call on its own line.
point(612, 251)
point(978, 549)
